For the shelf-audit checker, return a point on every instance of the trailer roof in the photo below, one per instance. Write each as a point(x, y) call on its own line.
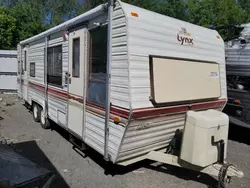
point(65, 25)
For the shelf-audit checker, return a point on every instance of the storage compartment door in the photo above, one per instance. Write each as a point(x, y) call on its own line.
point(175, 80)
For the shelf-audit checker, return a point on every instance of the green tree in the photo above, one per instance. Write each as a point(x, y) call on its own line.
point(58, 11)
point(173, 8)
point(215, 13)
point(245, 5)
point(7, 30)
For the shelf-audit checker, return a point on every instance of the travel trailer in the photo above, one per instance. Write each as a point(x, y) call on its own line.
point(124, 81)
point(238, 77)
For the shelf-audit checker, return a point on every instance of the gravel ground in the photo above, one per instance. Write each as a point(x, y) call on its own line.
point(51, 149)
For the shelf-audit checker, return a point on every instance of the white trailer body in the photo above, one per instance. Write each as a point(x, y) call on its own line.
point(160, 68)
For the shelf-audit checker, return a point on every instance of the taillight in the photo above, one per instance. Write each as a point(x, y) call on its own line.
point(237, 102)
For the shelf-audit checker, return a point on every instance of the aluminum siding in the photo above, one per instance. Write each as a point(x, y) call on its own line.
point(119, 66)
point(143, 136)
point(154, 34)
point(95, 134)
point(36, 54)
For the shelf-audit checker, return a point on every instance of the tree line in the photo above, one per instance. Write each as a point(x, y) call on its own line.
point(20, 19)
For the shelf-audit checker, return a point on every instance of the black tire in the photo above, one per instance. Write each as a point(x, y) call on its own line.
point(45, 122)
point(36, 111)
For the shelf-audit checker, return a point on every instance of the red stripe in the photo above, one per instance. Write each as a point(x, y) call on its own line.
point(142, 113)
point(120, 112)
point(60, 93)
point(50, 90)
point(113, 110)
point(78, 99)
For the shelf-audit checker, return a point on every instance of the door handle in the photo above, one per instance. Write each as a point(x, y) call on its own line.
point(67, 78)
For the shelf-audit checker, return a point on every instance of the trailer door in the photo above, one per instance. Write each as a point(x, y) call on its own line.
point(77, 56)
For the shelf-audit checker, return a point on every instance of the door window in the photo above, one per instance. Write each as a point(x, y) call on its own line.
point(76, 58)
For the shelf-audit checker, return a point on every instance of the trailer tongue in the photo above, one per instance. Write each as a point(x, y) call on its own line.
point(201, 146)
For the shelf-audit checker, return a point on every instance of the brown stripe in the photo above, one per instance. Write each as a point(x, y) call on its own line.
point(56, 92)
point(78, 99)
point(142, 113)
point(139, 113)
point(124, 113)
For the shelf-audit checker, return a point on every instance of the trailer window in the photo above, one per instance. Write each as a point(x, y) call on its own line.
point(54, 65)
point(76, 58)
point(97, 66)
point(32, 69)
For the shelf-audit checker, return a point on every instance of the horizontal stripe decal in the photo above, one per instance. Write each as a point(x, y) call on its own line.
point(55, 92)
point(78, 99)
point(141, 113)
point(137, 113)
point(124, 113)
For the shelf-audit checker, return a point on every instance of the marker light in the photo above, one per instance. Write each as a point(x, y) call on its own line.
point(134, 14)
point(117, 119)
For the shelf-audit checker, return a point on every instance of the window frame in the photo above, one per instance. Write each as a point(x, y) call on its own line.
point(61, 77)
point(73, 58)
point(31, 75)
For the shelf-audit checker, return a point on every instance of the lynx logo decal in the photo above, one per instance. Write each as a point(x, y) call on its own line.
point(184, 37)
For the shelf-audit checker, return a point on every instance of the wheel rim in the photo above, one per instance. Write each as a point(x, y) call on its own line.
point(43, 118)
point(35, 111)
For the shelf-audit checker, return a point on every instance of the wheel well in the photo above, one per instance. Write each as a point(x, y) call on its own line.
point(33, 103)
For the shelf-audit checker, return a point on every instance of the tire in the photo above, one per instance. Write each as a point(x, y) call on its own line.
point(45, 123)
point(36, 110)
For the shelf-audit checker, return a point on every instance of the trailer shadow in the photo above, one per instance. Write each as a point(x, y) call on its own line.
point(32, 152)
point(114, 170)
point(239, 134)
point(185, 174)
